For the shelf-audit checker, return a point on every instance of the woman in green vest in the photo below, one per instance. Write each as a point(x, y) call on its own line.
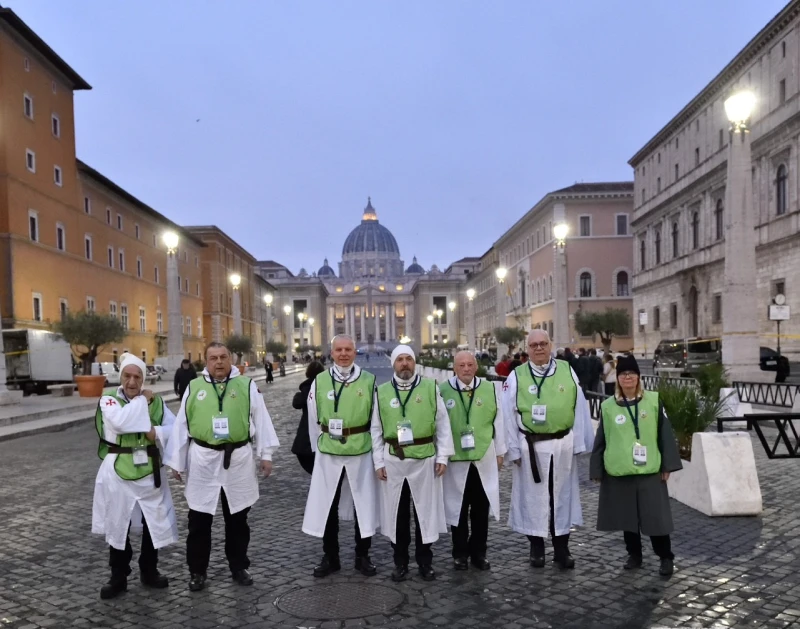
point(634, 453)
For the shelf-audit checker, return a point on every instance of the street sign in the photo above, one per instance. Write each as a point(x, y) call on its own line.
point(778, 313)
point(642, 318)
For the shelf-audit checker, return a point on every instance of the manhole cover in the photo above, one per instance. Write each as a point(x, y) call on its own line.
point(339, 601)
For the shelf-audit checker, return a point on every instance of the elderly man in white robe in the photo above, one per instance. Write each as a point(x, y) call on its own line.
point(472, 484)
point(547, 425)
point(339, 415)
point(221, 414)
point(133, 426)
point(411, 445)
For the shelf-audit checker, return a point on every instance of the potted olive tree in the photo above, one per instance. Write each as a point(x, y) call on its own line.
point(88, 333)
point(240, 345)
point(277, 349)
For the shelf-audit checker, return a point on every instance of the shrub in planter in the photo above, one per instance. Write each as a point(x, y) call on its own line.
point(88, 333)
point(688, 412)
point(712, 378)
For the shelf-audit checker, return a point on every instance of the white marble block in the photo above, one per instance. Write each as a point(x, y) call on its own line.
point(721, 479)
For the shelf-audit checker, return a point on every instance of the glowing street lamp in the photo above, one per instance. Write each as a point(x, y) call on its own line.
point(473, 330)
point(470, 294)
point(738, 107)
point(560, 231)
point(268, 302)
point(236, 281)
point(174, 315)
point(287, 310)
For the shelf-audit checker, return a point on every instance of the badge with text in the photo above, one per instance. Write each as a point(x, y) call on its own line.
point(335, 427)
point(220, 427)
point(201, 395)
point(467, 440)
point(620, 419)
point(140, 456)
point(639, 454)
point(450, 404)
point(405, 436)
point(539, 414)
point(394, 403)
point(533, 389)
point(331, 395)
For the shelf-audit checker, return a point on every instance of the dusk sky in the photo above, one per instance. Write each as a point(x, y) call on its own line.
point(454, 116)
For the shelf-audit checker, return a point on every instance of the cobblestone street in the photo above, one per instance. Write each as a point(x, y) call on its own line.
point(731, 572)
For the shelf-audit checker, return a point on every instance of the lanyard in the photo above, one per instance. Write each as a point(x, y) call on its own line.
point(634, 416)
point(221, 396)
point(336, 396)
point(540, 384)
point(408, 397)
point(461, 397)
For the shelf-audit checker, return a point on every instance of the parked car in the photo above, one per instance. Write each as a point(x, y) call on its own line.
point(111, 372)
point(154, 371)
point(685, 357)
point(770, 360)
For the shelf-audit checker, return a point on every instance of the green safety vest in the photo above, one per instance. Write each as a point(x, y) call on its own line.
point(482, 406)
point(354, 408)
point(621, 435)
point(558, 393)
point(420, 410)
point(124, 466)
point(202, 405)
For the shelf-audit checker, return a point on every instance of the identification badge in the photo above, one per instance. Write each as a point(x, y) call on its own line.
point(639, 454)
point(539, 414)
point(335, 427)
point(405, 436)
point(467, 440)
point(140, 457)
point(221, 430)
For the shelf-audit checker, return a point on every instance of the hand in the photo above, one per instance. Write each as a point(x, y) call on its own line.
point(148, 395)
point(266, 468)
point(176, 475)
point(440, 469)
point(499, 463)
point(518, 462)
point(381, 473)
point(665, 476)
point(151, 435)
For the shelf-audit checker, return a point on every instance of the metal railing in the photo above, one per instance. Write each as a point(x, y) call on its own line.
point(767, 393)
point(651, 383)
point(595, 400)
point(787, 432)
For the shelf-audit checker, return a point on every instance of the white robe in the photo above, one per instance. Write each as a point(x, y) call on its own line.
point(530, 502)
point(119, 503)
point(426, 488)
point(455, 480)
point(359, 488)
point(204, 466)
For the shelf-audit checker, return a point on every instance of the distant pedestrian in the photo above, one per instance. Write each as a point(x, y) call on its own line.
point(301, 447)
point(595, 371)
point(583, 370)
point(269, 370)
point(609, 374)
point(183, 376)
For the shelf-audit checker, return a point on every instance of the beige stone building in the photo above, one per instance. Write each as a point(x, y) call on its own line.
point(680, 177)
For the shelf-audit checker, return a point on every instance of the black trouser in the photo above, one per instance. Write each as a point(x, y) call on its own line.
point(237, 539)
point(330, 540)
point(423, 553)
point(560, 542)
point(120, 560)
point(474, 510)
point(661, 545)
point(306, 462)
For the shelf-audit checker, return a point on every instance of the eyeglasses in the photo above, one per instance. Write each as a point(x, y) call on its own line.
point(541, 345)
point(629, 374)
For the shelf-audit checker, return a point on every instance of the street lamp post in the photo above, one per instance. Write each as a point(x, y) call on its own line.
point(311, 331)
point(740, 347)
point(473, 330)
point(301, 317)
point(501, 273)
point(453, 327)
point(174, 316)
point(439, 314)
point(561, 335)
point(287, 309)
point(268, 298)
point(236, 281)
point(430, 325)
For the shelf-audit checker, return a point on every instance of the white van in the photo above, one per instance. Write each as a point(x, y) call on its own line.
point(111, 372)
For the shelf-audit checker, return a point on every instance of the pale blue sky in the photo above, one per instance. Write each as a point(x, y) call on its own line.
point(455, 116)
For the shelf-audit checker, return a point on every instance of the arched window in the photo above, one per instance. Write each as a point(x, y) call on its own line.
point(780, 190)
point(718, 219)
point(586, 284)
point(622, 284)
point(642, 254)
point(695, 230)
point(657, 242)
point(675, 239)
point(539, 291)
point(550, 287)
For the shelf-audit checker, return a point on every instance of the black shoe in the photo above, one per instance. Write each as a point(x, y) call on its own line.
point(460, 563)
point(365, 566)
point(327, 566)
point(481, 563)
point(242, 577)
point(633, 562)
point(427, 573)
point(667, 568)
point(400, 573)
point(537, 561)
point(153, 579)
point(114, 587)
point(197, 581)
point(565, 563)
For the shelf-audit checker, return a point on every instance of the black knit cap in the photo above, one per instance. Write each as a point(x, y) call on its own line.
point(627, 363)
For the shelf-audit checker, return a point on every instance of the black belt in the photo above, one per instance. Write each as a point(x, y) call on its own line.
point(398, 449)
point(227, 447)
point(346, 432)
point(152, 451)
point(534, 437)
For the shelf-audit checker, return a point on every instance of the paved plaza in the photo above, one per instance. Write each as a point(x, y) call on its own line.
point(731, 572)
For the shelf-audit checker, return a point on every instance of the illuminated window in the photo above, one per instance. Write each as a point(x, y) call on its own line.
point(399, 287)
point(338, 289)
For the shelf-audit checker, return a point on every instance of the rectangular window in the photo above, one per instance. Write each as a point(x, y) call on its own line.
point(26, 63)
point(142, 320)
point(136, 230)
point(27, 106)
point(155, 275)
point(656, 318)
point(199, 326)
point(778, 287)
point(585, 225)
point(112, 308)
point(673, 315)
point(87, 246)
point(783, 49)
point(33, 225)
point(87, 205)
point(716, 309)
point(123, 315)
point(622, 224)
point(659, 158)
point(144, 356)
point(60, 239)
point(154, 240)
point(676, 172)
point(63, 308)
point(197, 288)
point(159, 322)
point(37, 307)
point(677, 143)
point(186, 285)
point(179, 282)
point(782, 92)
point(111, 257)
point(642, 196)
point(30, 160)
point(55, 126)
point(188, 326)
point(108, 216)
point(119, 221)
point(138, 267)
point(90, 305)
point(697, 156)
point(121, 260)
point(721, 138)
point(197, 262)
point(57, 176)
point(658, 184)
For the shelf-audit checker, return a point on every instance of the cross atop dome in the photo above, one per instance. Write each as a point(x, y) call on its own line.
point(369, 212)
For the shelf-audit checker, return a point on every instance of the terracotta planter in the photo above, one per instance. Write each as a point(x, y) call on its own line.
point(90, 386)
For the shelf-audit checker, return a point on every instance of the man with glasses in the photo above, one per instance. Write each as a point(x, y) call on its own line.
point(547, 424)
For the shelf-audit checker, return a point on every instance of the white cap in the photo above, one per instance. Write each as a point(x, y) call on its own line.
point(400, 350)
point(126, 360)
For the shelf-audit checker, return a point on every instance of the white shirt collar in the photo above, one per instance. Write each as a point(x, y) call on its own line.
point(404, 384)
point(456, 383)
point(344, 374)
point(543, 370)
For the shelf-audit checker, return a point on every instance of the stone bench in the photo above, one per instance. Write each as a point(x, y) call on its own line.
point(61, 390)
point(152, 379)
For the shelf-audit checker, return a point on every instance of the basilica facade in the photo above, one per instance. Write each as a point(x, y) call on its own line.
point(374, 297)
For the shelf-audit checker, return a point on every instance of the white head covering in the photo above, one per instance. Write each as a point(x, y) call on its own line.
point(127, 360)
point(400, 350)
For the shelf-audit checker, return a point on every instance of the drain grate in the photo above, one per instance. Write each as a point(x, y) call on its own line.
point(339, 601)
